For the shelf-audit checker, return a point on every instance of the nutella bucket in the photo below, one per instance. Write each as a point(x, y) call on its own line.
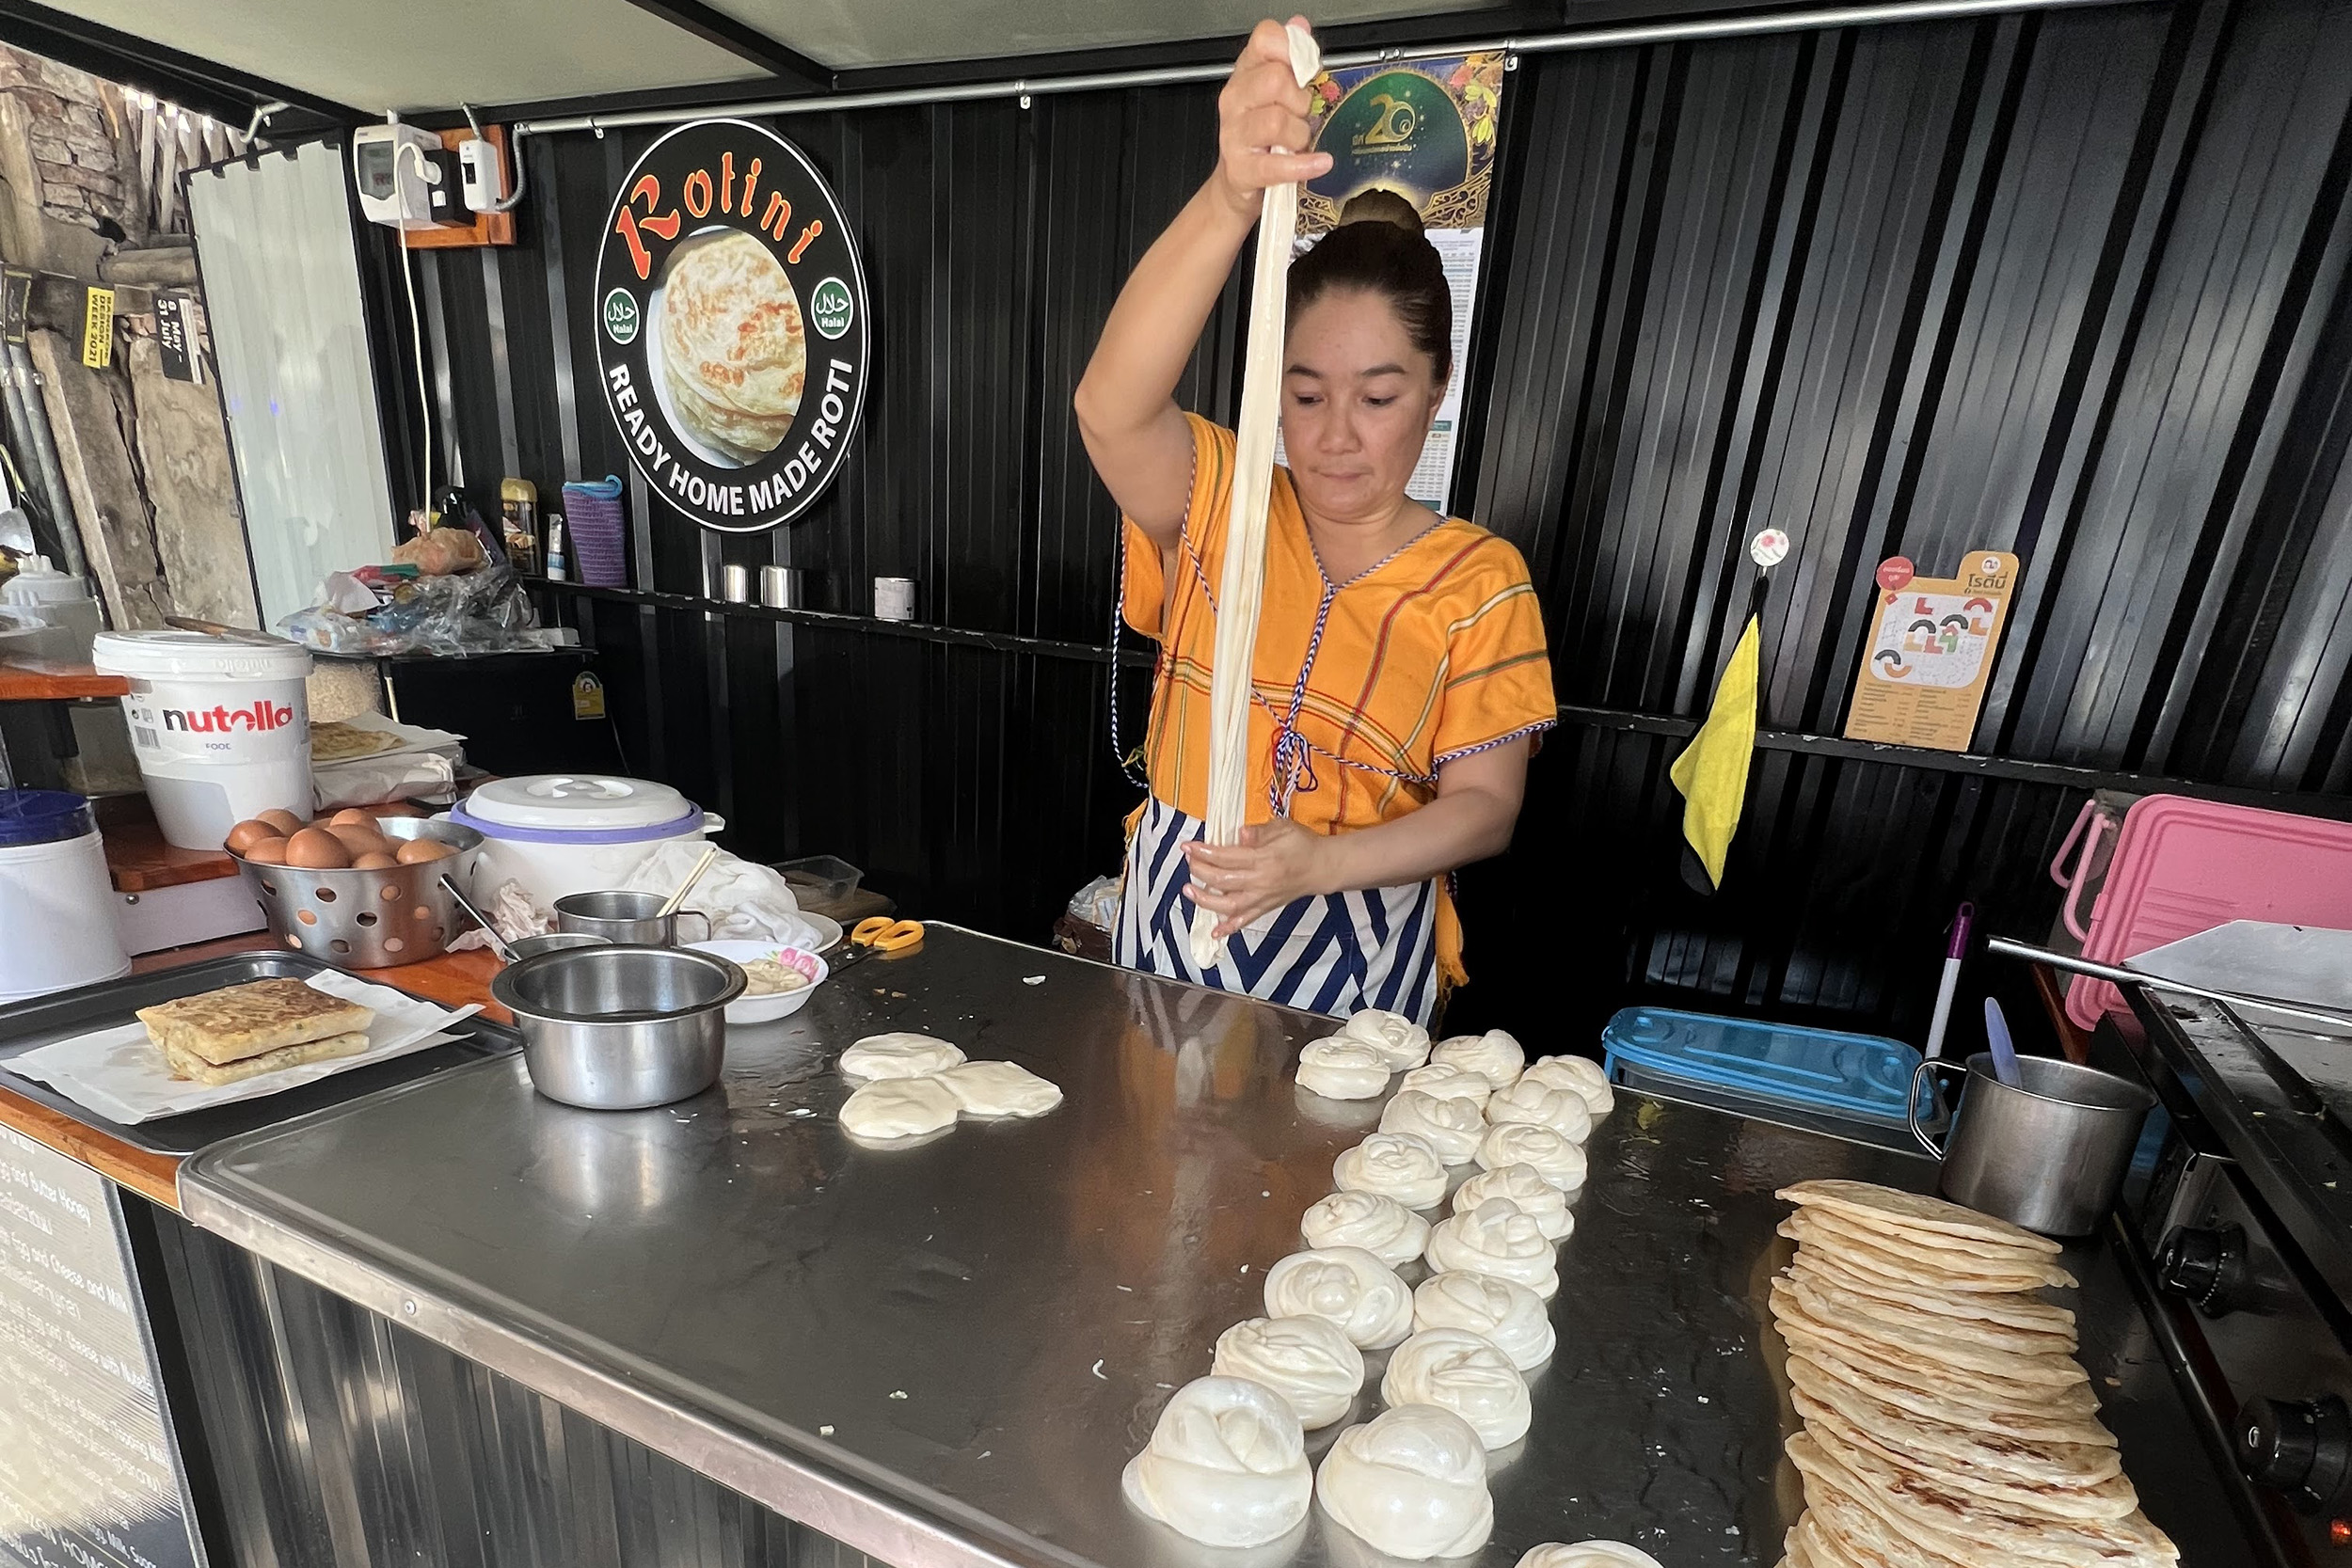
point(220, 725)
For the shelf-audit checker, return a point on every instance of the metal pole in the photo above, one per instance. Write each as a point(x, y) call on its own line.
point(1537, 43)
point(2004, 947)
point(26, 383)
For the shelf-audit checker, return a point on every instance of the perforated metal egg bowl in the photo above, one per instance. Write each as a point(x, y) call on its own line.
point(369, 919)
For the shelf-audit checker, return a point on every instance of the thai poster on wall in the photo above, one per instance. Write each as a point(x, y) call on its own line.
point(1425, 129)
point(1932, 640)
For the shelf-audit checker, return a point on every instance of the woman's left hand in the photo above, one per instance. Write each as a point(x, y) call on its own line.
point(1275, 863)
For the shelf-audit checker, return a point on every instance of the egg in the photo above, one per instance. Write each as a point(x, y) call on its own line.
point(360, 840)
point(417, 850)
point(375, 859)
point(266, 851)
point(316, 849)
point(351, 817)
point(286, 822)
point(247, 833)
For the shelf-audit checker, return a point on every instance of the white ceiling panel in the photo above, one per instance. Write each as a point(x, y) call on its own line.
point(849, 33)
point(429, 53)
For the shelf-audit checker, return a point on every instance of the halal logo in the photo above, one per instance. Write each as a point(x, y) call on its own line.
point(620, 316)
point(832, 307)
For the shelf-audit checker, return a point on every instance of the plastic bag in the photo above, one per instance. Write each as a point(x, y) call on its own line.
point(473, 612)
point(1097, 903)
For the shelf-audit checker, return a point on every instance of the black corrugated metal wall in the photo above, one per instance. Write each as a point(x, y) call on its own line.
point(2068, 283)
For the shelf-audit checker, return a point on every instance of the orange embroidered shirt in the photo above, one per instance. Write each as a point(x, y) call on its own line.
point(1362, 689)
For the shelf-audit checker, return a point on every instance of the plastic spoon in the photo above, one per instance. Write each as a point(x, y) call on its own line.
point(2004, 1053)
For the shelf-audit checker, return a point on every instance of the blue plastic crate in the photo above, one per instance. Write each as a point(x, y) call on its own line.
point(1864, 1078)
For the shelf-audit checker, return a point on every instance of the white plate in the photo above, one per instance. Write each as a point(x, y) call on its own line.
point(783, 1004)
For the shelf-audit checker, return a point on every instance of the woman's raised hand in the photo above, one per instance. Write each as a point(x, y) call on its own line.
point(1261, 111)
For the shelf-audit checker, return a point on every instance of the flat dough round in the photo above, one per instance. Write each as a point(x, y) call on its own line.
point(1455, 1369)
point(1394, 1164)
point(1411, 1482)
point(1346, 1285)
point(1496, 1238)
point(1493, 1055)
point(992, 1090)
point(1561, 1110)
point(890, 1109)
point(1307, 1360)
point(1448, 1082)
point(1402, 1043)
point(1381, 1225)
point(1451, 1126)
point(1867, 1202)
point(1342, 1068)
point(1558, 1160)
point(1226, 1466)
point(1582, 1074)
point(898, 1055)
point(1525, 1186)
point(1503, 1311)
point(1588, 1554)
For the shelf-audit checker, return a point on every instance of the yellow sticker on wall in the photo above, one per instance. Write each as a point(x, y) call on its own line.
point(587, 696)
point(1932, 640)
point(98, 330)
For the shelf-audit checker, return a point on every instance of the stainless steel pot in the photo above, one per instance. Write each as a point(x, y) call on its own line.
point(2049, 1155)
point(623, 915)
point(621, 1028)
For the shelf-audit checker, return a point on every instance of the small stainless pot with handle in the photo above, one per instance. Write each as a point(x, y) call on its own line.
point(621, 1028)
point(624, 915)
point(2049, 1155)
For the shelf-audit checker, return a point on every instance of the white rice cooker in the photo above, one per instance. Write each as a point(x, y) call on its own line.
point(559, 833)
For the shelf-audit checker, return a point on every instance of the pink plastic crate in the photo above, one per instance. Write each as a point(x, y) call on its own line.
point(2183, 866)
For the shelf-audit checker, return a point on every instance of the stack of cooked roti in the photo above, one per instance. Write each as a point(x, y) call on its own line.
point(242, 1031)
point(1946, 1421)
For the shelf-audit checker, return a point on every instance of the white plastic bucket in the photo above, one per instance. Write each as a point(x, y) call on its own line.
point(56, 913)
point(220, 725)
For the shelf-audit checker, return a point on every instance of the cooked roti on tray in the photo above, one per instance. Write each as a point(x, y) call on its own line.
point(734, 349)
point(336, 742)
point(241, 1022)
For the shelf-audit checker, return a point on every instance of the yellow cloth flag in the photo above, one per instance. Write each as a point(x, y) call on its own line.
point(1713, 775)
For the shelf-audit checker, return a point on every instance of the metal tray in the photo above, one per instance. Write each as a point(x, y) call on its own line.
point(27, 1024)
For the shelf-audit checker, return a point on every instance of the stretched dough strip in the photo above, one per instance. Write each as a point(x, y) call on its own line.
point(1242, 586)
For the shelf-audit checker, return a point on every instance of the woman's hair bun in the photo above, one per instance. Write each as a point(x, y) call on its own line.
point(1381, 205)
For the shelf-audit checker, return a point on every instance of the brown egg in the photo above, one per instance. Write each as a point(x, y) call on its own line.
point(417, 850)
point(284, 821)
point(360, 840)
point(375, 859)
point(351, 817)
point(316, 849)
point(266, 851)
point(247, 833)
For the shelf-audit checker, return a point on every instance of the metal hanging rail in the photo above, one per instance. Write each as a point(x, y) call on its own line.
point(1024, 88)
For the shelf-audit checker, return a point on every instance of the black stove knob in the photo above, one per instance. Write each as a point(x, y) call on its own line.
point(2304, 1448)
point(2206, 1266)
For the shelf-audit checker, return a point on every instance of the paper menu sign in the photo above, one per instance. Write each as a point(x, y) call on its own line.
point(1933, 641)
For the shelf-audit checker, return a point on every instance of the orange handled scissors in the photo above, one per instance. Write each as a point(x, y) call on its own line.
point(879, 934)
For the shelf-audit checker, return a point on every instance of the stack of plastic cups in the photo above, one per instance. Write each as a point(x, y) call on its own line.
point(599, 533)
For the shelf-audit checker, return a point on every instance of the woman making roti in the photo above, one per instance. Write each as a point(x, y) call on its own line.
point(1401, 675)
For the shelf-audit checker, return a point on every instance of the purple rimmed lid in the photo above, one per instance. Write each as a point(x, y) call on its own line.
point(577, 808)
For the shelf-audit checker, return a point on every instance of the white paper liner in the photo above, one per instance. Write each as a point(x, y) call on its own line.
point(119, 1073)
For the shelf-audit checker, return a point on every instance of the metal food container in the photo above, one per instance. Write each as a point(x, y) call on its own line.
point(621, 1028)
point(367, 919)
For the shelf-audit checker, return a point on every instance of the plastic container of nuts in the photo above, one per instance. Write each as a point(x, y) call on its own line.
point(370, 919)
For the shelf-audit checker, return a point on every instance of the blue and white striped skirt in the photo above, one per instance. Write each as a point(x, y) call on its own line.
point(1330, 954)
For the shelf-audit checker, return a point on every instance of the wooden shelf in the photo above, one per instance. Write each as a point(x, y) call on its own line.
point(41, 680)
point(139, 860)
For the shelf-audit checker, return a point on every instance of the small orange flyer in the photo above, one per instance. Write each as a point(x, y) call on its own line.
point(1931, 654)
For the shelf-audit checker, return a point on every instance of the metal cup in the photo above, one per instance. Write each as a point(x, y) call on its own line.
point(780, 587)
point(622, 916)
point(2049, 1155)
point(734, 583)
